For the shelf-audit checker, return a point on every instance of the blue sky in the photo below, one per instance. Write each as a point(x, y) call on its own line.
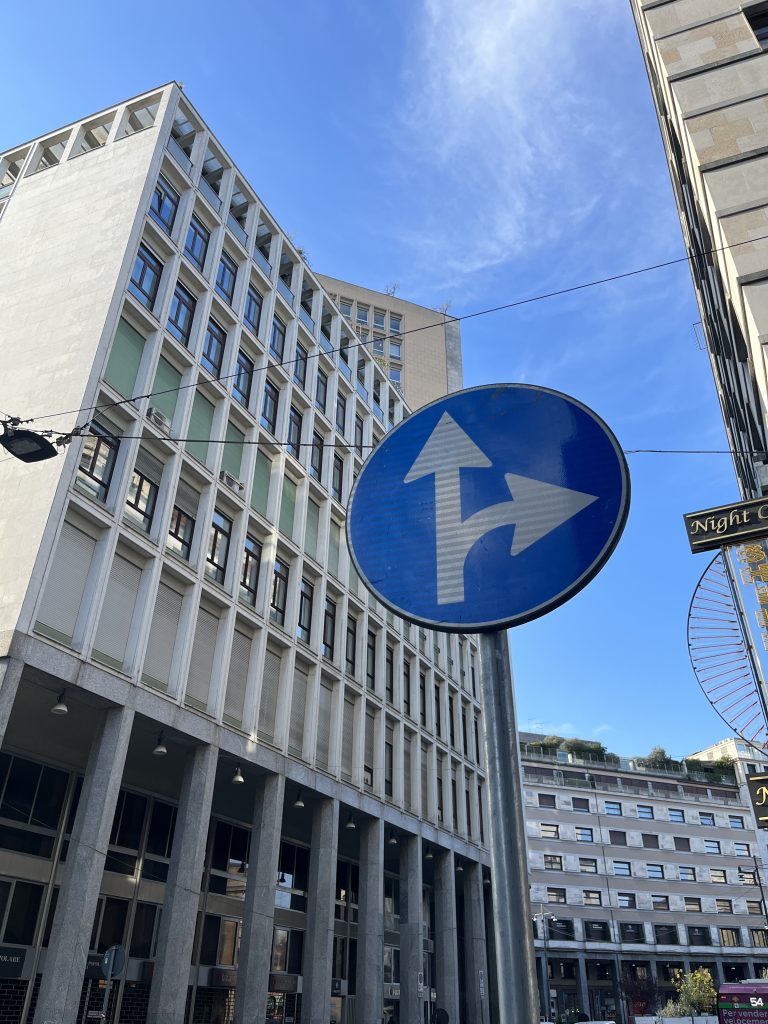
point(474, 152)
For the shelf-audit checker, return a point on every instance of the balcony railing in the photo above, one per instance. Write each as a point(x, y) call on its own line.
point(344, 367)
point(378, 412)
point(325, 343)
point(5, 189)
point(179, 155)
point(237, 230)
point(208, 191)
point(285, 291)
point(261, 260)
point(306, 319)
point(362, 390)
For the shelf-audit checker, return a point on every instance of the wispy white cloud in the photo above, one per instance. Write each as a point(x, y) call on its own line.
point(499, 114)
point(550, 728)
point(602, 729)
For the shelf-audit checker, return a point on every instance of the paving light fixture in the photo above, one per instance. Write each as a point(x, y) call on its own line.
point(392, 841)
point(237, 778)
point(160, 748)
point(298, 803)
point(26, 445)
point(350, 823)
point(60, 707)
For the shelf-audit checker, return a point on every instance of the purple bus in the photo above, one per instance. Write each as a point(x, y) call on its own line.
point(743, 1002)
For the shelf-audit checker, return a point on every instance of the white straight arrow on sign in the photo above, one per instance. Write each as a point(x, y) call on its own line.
point(536, 507)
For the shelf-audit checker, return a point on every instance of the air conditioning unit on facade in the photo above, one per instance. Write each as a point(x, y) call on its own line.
point(159, 419)
point(231, 482)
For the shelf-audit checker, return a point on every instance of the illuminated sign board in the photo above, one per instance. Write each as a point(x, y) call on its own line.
point(727, 524)
point(758, 794)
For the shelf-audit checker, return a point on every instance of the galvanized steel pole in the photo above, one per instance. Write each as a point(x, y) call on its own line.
point(517, 988)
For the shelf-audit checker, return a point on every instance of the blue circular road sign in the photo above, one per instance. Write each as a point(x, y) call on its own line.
point(488, 507)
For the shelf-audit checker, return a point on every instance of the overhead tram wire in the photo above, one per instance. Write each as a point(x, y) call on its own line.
point(414, 330)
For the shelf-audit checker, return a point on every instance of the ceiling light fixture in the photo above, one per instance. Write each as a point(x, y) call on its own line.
point(160, 748)
point(60, 707)
point(392, 841)
point(350, 823)
point(237, 778)
point(299, 801)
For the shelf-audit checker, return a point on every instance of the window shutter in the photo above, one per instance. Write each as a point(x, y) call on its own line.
point(66, 584)
point(370, 721)
point(424, 784)
point(261, 477)
point(200, 424)
point(234, 700)
point(269, 689)
point(124, 359)
point(288, 507)
point(117, 612)
point(347, 738)
point(232, 456)
point(162, 638)
point(187, 499)
point(167, 380)
point(298, 711)
point(324, 725)
point(334, 542)
point(201, 662)
point(312, 528)
point(407, 772)
point(149, 466)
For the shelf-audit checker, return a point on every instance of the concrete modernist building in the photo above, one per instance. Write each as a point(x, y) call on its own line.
point(418, 349)
point(708, 71)
point(217, 750)
point(637, 872)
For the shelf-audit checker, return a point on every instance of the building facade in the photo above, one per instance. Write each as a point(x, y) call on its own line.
point(708, 72)
point(637, 872)
point(418, 349)
point(217, 751)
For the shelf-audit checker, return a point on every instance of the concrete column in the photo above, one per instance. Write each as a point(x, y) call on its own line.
point(446, 935)
point(582, 983)
point(62, 979)
point(168, 995)
point(476, 965)
point(318, 947)
point(411, 930)
point(259, 909)
point(370, 929)
point(10, 675)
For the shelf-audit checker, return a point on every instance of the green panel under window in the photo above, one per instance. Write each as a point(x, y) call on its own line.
point(354, 580)
point(313, 525)
point(167, 379)
point(261, 477)
point(232, 457)
point(124, 359)
point(334, 543)
point(288, 507)
point(200, 425)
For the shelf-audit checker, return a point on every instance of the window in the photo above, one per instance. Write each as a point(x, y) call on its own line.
point(316, 456)
point(378, 344)
point(660, 902)
point(142, 491)
point(97, 462)
point(644, 811)
point(294, 432)
point(580, 803)
point(269, 406)
point(692, 904)
point(180, 532)
point(699, 935)
point(378, 319)
point(650, 841)
point(596, 931)
point(165, 203)
point(279, 593)
point(655, 870)
point(631, 932)
point(300, 366)
point(362, 314)
point(306, 598)
point(666, 934)
point(359, 435)
point(249, 581)
point(724, 906)
point(552, 862)
point(213, 348)
point(682, 843)
point(759, 937)
point(588, 865)
point(181, 315)
point(395, 375)
point(717, 876)
point(687, 874)
point(729, 937)
point(243, 380)
point(583, 835)
point(337, 478)
point(145, 278)
point(218, 546)
point(438, 720)
point(321, 390)
point(345, 307)
point(395, 350)
point(277, 339)
point(555, 895)
point(370, 661)
point(754, 907)
point(735, 821)
point(622, 867)
point(196, 245)
point(395, 323)
point(407, 688)
point(225, 277)
point(758, 22)
point(329, 629)
point(341, 413)
point(549, 831)
point(612, 807)
point(626, 900)
point(254, 302)
point(423, 700)
point(675, 814)
point(711, 846)
point(617, 838)
point(547, 800)
point(741, 849)
point(593, 898)
point(350, 646)
point(747, 877)
point(706, 818)
point(389, 674)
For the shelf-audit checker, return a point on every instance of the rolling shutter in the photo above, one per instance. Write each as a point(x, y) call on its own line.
point(162, 638)
point(347, 738)
point(117, 613)
point(270, 685)
point(312, 528)
point(234, 700)
point(201, 662)
point(370, 722)
point(298, 712)
point(288, 507)
point(407, 772)
point(66, 584)
point(424, 784)
point(323, 749)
